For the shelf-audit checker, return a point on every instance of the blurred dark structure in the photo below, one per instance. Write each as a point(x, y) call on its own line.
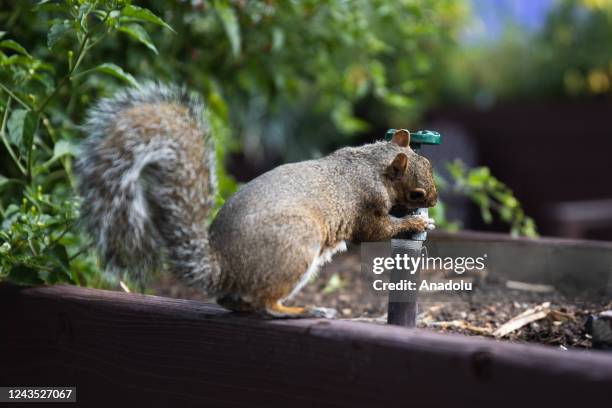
point(556, 156)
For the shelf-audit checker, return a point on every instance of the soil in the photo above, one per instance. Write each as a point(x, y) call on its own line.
point(479, 313)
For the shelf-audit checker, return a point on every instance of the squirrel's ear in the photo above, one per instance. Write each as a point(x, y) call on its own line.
point(401, 138)
point(399, 165)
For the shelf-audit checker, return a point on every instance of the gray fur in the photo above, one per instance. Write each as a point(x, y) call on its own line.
point(132, 205)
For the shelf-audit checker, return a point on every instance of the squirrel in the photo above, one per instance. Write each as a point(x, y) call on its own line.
point(146, 176)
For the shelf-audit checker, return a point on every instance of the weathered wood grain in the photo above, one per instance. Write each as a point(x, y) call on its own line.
point(128, 349)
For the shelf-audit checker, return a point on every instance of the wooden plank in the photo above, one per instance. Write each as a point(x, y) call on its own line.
point(151, 351)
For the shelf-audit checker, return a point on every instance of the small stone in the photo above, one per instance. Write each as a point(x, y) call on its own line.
point(600, 328)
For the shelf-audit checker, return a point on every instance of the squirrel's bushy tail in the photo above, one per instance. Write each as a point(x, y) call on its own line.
point(145, 173)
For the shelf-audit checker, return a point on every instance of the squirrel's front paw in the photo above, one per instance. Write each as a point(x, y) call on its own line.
point(420, 223)
point(322, 312)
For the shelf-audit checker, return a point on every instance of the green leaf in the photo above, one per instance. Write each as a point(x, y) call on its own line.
point(117, 72)
point(63, 148)
point(139, 34)
point(3, 181)
point(510, 201)
point(13, 45)
point(57, 31)
point(60, 254)
point(486, 215)
point(230, 24)
point(30, 125)
point(217, 104)
point(505, 214)
point(334, 284)
point(142, 14)
point(345, 121)
point(24, 275)
point(278, 39)
point(59, 275)
point(47, 6)
point(83, 12)
point(21, 127)
point(15, 125)
point(398, 100)
point(456, 169)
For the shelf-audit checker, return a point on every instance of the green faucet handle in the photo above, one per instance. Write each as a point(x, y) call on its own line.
point(422, 137)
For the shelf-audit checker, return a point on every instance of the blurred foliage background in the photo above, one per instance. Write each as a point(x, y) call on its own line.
point(568, 56)
point(284, 79)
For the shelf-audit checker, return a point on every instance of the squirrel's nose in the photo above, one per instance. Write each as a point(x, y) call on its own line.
point(417, 194)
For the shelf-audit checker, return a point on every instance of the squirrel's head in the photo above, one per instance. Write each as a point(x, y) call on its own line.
point(410, 175)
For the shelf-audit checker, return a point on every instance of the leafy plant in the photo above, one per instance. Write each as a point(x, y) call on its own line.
point(35, 236)
point(39, 240)
point(490, 195)
point(288, 77)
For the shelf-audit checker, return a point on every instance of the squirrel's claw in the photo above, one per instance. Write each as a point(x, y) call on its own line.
point(420, 223)
point(430, 224)
point(321, 312)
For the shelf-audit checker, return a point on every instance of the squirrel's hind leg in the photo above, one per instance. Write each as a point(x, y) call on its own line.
point(275, 307)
